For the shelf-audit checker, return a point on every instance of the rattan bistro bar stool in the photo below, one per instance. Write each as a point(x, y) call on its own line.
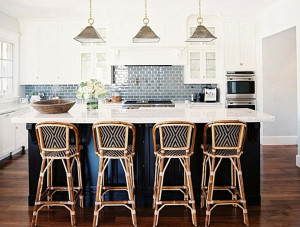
point(111, 140)
point(53, 139)
point(228, 139)
point(177, 141)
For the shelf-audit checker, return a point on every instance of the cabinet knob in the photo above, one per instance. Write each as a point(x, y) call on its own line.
point(241, 64)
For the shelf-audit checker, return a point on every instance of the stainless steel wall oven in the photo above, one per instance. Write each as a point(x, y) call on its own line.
point(241, 89)
point(241, 85)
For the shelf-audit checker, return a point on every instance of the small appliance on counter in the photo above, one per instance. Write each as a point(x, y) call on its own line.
point(210, 94)
point(36, 97)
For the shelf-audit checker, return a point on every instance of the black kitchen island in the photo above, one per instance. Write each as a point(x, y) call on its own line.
point(144, 158)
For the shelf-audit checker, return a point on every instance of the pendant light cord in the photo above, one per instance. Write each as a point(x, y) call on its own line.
point(146, 13)
point(146, 20)
point(200, 19)
point(91, 20)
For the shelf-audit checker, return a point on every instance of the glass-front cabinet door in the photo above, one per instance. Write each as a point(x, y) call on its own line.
point(202, 67)
point(95, 61)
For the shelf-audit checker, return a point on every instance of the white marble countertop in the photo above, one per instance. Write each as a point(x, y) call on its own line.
point(12, 107)
point(79, 114)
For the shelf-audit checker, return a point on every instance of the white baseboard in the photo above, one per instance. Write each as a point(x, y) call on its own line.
point(279, 140)
point(17, 150)
point(298, 160)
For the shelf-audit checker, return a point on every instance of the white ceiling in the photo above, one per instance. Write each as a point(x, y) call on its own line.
point(43, 9)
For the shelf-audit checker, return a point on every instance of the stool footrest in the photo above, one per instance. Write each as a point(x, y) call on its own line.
point(174, 202)
point(225, 202)
point(115, 203)
point(173, 187)
point(115, 188)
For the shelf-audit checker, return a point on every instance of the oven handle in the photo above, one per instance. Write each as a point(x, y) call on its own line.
point(240, 103)
point(240, 79)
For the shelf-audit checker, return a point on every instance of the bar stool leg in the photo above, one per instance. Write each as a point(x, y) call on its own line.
point(191, 192)
point(132, 172)
point(98, 192)
point(38, 193)
point(242, 192)
point(71, 192)
point(210, 191)
point(233, 181)
point(158, 190)
point(157, 160)
point(130, 190)
point(203, 181)
point(79, 180)
point(49, 182)
point(186, 184)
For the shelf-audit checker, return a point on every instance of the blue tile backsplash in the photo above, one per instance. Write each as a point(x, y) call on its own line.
point(133, 82)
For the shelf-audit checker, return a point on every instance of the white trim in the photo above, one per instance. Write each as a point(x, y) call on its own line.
point(12, 37)
point(15, 151)
point(279, 140)
point(298, 160)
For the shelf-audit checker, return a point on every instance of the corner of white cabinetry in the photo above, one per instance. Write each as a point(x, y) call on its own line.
point(298, 160)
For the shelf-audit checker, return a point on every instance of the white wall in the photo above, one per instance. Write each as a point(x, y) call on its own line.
point(280, 87)
point(279, 17)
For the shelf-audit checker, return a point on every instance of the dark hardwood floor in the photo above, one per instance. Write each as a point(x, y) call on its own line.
point(280, 186)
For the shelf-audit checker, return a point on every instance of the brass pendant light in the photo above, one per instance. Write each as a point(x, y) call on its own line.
point(90, 34)
point(201, 33)
point(146, 34)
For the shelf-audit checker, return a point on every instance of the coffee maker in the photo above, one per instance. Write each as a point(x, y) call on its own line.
point(210, 94)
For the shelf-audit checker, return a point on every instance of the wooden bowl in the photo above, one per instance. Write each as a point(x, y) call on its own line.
point(55, 106)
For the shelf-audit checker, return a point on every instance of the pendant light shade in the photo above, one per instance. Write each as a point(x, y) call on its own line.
point(146, 34)
point(201, 34)
point(90, 34)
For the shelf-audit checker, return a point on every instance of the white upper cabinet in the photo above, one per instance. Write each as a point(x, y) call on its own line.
point(202, 57)
point(49, 54)
point(29, 53)
point(240, 46)
point(68, 57)
point(95, 60)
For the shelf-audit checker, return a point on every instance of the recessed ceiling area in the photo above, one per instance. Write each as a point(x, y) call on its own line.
point(44, 9)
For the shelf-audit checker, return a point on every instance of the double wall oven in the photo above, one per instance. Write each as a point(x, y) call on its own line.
point(241, 89)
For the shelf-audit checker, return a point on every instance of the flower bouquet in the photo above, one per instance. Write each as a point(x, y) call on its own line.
point(91, 90)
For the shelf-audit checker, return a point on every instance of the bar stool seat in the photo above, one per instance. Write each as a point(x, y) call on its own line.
point(171, 153)
point(220, 152)
point(72, 152)
point(116, 153)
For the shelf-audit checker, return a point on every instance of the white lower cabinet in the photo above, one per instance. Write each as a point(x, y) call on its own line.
point(12, 136)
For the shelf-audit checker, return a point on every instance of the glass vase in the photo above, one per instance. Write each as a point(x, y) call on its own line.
point(91, 104)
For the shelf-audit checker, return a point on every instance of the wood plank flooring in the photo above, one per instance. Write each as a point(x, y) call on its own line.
point(280, 186)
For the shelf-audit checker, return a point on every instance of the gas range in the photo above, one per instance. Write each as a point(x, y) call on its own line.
point(136, 104)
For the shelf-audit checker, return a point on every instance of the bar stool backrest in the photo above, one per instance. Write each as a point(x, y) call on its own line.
point(55, 136)
point(113, 135)
point(227, 134)
point(175, 135)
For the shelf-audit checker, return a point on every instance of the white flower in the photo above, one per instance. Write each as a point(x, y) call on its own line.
point(91, 89)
